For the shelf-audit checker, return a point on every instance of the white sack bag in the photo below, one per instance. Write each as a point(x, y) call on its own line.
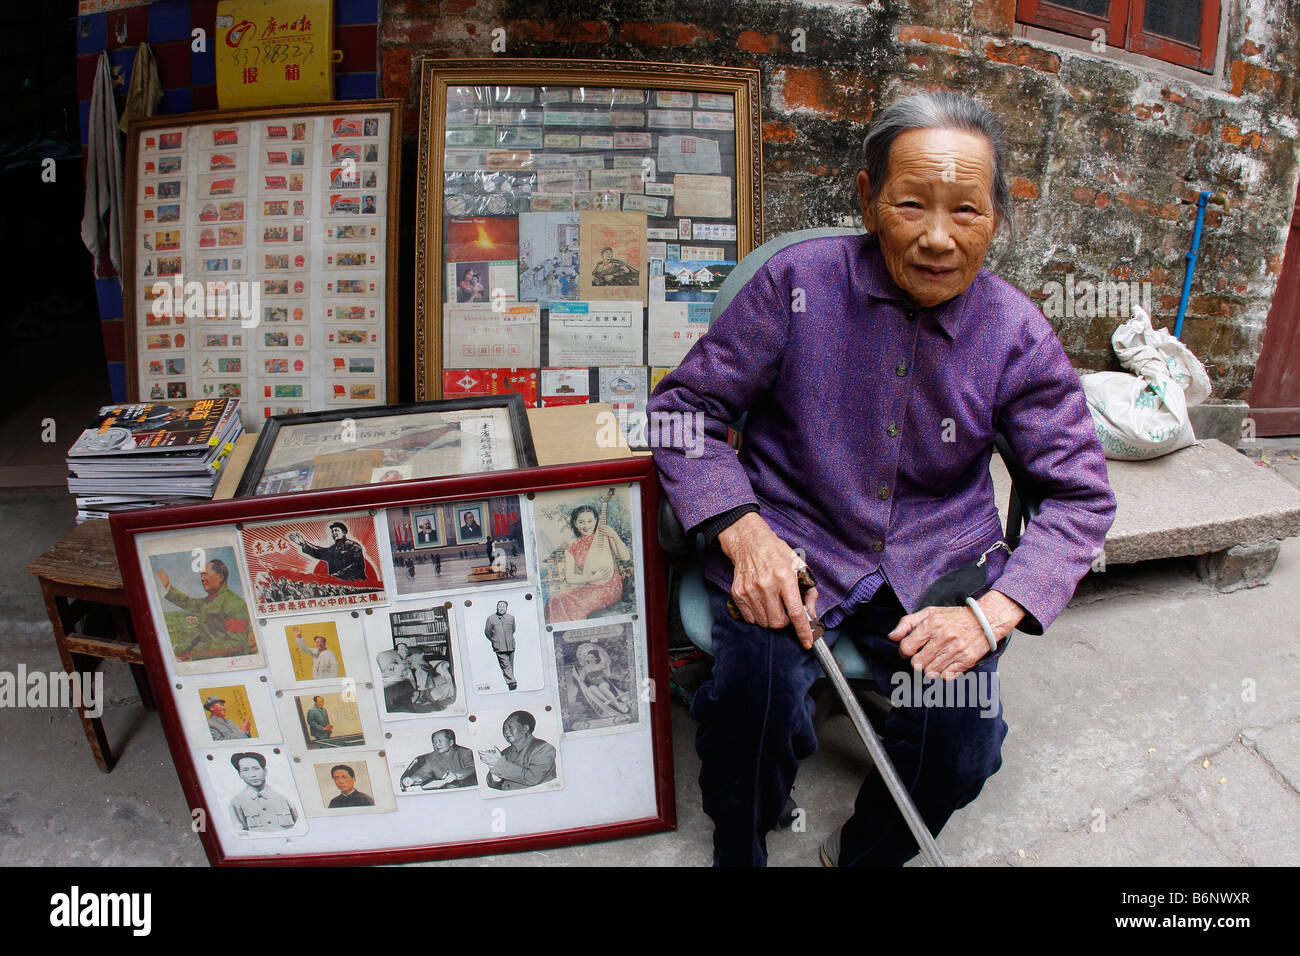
point(1144, 415)
point(1137, 345)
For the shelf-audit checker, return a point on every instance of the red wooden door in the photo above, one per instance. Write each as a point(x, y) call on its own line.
point(1274, 396)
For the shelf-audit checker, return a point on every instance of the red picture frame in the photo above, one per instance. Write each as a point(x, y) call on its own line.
point(135, 533)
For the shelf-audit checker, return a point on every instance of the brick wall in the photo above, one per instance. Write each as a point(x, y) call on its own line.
point(1106, 159)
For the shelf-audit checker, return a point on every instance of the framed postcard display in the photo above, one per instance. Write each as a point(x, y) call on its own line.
point(318, 450)
point(412, 670)
point(259, 253)
point(575, 220)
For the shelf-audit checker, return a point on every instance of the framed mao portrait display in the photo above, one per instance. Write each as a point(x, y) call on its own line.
point(574, 215)
point(381, 673)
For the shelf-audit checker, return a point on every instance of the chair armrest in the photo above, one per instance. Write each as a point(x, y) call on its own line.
point(672, 536)
point(1026, 494)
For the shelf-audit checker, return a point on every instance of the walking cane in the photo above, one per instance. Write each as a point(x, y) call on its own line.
point(885, 766)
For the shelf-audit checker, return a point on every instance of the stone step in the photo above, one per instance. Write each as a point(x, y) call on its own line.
point(1202, 500)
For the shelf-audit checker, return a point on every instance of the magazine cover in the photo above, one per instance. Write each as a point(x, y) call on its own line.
point(151, 426)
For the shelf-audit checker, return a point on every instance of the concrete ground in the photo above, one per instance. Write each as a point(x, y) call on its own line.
point(1157, 723)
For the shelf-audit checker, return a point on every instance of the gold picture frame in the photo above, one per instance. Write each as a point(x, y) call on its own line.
point(515, 150)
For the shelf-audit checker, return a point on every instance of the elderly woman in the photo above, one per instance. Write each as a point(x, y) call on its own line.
point(876, 370)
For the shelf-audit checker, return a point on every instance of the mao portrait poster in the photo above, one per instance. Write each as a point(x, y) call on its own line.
point(197, 581)
point(312, 565)
point(381, 727)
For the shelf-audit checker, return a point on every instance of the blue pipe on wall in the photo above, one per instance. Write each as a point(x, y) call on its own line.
point(1191, 262)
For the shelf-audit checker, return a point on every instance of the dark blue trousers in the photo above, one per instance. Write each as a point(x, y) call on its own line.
point(756, 725)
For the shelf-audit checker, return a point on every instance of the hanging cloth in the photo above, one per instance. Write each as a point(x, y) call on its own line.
point(145, 92)
point(101, 223)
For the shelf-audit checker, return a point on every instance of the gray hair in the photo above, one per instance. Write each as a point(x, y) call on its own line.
point(938, 110)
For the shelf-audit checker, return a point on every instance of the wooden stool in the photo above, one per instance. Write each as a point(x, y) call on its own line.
point(76, 574)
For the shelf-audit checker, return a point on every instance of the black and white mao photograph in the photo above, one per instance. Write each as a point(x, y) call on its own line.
point(503, 642)
point(434, 757)
point(416, 662)
point(256, 793)
point(518, 751)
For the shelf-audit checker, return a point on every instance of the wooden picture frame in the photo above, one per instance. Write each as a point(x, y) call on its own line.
point(584, 138)
point(398, 663)
point(284, 221)
point(337, 440)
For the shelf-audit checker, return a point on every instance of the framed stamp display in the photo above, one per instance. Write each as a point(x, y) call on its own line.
point(576, 214)
point(500, 686)
point(385, 443)
point(259, 252)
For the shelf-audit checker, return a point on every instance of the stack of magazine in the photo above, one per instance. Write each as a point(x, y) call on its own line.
point(150, 454)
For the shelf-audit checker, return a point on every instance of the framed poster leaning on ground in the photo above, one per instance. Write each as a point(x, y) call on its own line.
point(259, 253)
point(412, 670)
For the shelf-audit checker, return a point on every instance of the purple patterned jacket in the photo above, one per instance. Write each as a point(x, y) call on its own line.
point(871, 425)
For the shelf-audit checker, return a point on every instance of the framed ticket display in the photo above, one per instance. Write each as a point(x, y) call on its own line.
point(397, 672)
point(318, 450)
point(576, 215)
point(259, 255)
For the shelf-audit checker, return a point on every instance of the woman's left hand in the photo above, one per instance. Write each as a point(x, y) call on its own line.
point(947, 641)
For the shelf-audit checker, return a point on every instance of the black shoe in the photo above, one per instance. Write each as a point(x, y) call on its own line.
point(787, 814)
point(830, 848)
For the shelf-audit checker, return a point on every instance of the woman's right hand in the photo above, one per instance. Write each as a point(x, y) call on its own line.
point(765, 584)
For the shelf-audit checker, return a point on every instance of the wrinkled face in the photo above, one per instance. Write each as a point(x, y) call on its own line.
point(210, 579)
point(513, 730)
point(252, 773)
point(344, 781)
point(441, 743)
point(585, 523)
point(934, 213)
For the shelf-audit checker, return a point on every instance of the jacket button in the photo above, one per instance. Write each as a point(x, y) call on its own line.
point(902, 369)
point(891, 431)
point(883, 493)
point(877, 546)
point(911, 315)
